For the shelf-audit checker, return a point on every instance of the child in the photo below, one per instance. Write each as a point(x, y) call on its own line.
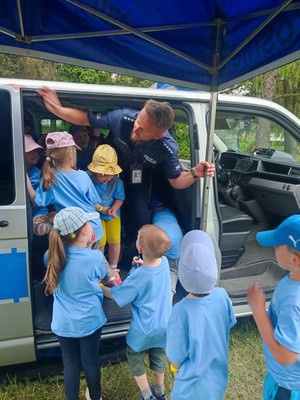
point(148, 290)
point(165, 218)
point(280, 327)
point(199, 326)
point(42, 220)
point(81, 137)
point(61, 184)
point(105, 170)
point(72, 276)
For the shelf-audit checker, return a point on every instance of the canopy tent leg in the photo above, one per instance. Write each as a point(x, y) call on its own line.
point(209, 157)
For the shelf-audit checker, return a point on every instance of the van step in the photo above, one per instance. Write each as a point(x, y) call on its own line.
point(236, 281)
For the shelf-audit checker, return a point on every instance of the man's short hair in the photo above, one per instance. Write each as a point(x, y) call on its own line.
point(154, 241)
point(160, 112)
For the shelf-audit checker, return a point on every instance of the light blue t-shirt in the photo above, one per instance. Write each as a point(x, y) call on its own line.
point(284, 313)
point(108, 193)
point(77, 307)
point(166, 220)
point(71, 189)
point(34, 175)
point(148, 290)
point(198, 339)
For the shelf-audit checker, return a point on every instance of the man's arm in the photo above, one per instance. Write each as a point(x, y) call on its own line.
point(53, 104)
point(186, 179)
point(256, 299)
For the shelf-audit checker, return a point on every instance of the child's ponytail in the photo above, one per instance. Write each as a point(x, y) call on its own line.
point(56, 261)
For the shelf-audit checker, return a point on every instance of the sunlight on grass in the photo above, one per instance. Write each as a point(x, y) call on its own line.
point(246, 374)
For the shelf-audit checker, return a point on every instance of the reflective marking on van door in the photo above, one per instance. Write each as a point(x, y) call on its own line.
point(13, 277)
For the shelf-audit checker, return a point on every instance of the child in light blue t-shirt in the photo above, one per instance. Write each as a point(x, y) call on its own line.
point(199, 326)
point(61, 184)
point(280, 327)
point(42, 220)
point(147, 289)
point(104, 174)
point(73, 275)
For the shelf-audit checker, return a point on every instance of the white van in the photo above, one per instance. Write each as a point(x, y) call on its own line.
point(257, 185)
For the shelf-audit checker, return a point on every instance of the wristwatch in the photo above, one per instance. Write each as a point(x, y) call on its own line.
point(193, 173)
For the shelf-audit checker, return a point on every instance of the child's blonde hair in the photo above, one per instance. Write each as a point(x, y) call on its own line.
point(55, 159)
point(57, 257)
point(153, 241)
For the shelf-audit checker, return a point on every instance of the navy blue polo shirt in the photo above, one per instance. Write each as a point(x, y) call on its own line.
point(162, 152)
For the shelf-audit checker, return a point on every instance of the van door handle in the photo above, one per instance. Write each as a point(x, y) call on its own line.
point(3, 223)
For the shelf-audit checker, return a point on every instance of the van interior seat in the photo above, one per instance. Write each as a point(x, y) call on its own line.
point(236, 228)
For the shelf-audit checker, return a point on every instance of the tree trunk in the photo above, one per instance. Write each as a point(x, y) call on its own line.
point(268, 93)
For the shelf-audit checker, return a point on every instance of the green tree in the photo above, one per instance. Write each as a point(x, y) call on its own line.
point(27, 68)
point(286, 87)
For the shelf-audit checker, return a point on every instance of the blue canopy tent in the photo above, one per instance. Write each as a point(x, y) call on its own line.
point(200, 44)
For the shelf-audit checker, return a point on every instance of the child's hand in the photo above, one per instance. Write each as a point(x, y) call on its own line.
point(51, 216)
point(256, 297)
point(104, 210)
point(112, 212)
point(137, 260)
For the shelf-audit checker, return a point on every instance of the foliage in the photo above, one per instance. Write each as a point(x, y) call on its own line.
point(286, 90)
point(69, 73)
point(27, 68)
point(182, 139)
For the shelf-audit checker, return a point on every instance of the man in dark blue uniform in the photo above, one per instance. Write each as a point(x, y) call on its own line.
point(145, 149)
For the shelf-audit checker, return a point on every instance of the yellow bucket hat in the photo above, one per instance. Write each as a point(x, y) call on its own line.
point(105, 161)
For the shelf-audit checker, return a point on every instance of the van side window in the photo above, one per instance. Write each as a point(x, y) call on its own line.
point(52, 125)
point(7, 182)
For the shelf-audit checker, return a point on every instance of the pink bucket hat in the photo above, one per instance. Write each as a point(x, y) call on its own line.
point(30, 144)
point(57, 140)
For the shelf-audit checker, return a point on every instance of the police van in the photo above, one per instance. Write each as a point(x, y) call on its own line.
point(257, 185)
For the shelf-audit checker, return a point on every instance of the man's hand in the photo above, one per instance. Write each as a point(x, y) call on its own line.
point(204, 168)
point(49, 96)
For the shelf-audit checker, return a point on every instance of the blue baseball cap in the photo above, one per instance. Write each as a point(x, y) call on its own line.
point(287, 233)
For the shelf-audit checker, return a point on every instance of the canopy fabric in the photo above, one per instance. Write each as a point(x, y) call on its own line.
point(201, 44)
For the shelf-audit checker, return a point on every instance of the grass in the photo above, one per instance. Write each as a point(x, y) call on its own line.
point(246, 374)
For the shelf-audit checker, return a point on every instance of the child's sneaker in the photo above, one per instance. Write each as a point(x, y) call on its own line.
point(150, 398)
point(87, 395)
point(162, 397)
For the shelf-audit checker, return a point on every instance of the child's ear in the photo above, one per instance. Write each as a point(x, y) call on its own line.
point(297, 259)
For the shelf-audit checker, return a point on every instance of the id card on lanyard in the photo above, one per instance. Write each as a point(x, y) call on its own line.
point(136, 173)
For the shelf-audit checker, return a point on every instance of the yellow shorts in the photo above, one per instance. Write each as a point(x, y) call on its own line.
point(111, 231)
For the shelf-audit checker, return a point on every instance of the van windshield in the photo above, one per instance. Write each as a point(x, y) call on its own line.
point(252, 134)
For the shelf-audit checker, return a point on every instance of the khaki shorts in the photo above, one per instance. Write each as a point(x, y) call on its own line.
point(157, 360)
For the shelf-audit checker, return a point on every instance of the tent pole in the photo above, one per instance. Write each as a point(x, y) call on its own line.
point(209, 157)
point(212, 118)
